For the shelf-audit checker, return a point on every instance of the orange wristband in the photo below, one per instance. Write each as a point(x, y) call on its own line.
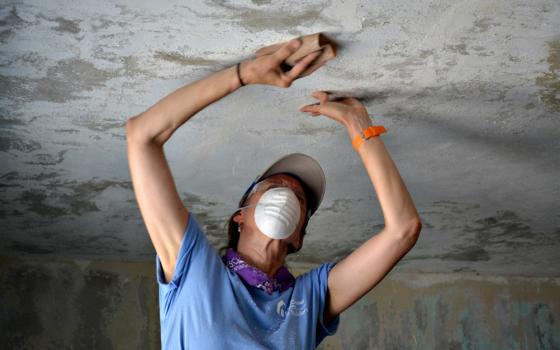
point(374, 130)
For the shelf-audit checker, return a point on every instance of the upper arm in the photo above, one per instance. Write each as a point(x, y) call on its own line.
point(359, 272)
point(163, 212)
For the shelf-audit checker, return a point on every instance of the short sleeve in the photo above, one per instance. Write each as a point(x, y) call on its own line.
point(194, 242)
point(322, 276)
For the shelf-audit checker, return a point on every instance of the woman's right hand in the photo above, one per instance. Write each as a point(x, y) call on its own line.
point(267, 69)
point(348, 111)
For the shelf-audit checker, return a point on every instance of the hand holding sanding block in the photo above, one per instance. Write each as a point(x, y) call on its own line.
point(310, 43)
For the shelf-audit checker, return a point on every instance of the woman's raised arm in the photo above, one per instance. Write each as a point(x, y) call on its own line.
point(159, 122)
point(164, 214)
point(360, 271)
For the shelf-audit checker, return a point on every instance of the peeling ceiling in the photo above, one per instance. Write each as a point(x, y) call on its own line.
point(469, 92)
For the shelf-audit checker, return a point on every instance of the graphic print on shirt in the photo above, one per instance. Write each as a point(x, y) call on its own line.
point(296, 308)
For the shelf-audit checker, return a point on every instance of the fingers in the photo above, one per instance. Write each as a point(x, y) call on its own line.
point(314, 109)
point(322, 96)
point(302, 65)
point(325, 107)
point(286, 50)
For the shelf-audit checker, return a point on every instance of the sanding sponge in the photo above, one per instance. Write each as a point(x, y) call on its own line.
point(310, 43)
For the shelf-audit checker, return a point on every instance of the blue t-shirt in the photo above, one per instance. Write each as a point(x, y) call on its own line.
point(207, 306)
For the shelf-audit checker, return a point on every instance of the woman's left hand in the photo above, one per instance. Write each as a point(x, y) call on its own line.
point(266, 69)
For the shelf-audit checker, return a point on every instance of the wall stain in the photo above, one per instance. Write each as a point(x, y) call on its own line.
point(184, 60)
point(261, 2)
point(466, 254)
point(63, 25)
point(5, 121)
point(62, 82)
point(130, 65)
point(10, 140)
point(214, 226)
point(483, 24)
point(362, 325)
point(29, 248)
point(110, 304)
point(79, 202)
point(12, 21)
point(494, 233)
point(458, 48)
point(405, 63)
point(48, 159)
point(346, 72)
point(504, 234)
point(16, 176)
point(12, 175)
point(67, 26)
point(268, 19)
point(15, 88)
point(102, 290)
point(100, 125)
point(544, 326)
point(82, 200)
point(375, 22)
point(340, 205)
point(549, 82)
point(3, 185)
point(67, 78)
point(103, 23)
point(5, 34)
point(35, 201)
point(77, 304)
point(20, 284)
point(67, 131)
point(303, 129)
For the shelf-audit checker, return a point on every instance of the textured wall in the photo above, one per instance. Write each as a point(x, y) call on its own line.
point(78, 304)
point(101, 305)
point(453, 311)
point(469, 92)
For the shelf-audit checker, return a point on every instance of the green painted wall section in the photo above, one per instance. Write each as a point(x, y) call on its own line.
point(78, 304)
point(453, 311)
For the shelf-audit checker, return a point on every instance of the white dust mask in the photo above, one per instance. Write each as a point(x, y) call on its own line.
point(277, 212)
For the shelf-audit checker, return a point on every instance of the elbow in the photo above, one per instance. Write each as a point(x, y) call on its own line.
point(129, 129)
point(134, 133)
point(138, 133)
point(416, 227)
point(411, 232)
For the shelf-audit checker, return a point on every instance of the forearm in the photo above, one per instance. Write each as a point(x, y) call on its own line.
point(396, 203)
point(159, 122)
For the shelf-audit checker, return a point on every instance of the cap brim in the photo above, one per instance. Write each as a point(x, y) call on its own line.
point(303, 166)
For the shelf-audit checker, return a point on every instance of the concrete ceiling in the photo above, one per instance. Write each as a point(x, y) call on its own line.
point(468, 90)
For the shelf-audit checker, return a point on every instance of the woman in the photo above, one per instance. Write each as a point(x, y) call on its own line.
point(207, 302)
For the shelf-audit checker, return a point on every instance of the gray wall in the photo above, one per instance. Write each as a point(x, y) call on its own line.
point(77, 304)
point(80, 304)
point(469, 92)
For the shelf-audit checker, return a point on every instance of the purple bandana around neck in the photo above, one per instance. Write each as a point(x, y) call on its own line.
point(281, 281)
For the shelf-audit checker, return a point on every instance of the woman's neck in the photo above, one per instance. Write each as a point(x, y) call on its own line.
point(265, 254)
